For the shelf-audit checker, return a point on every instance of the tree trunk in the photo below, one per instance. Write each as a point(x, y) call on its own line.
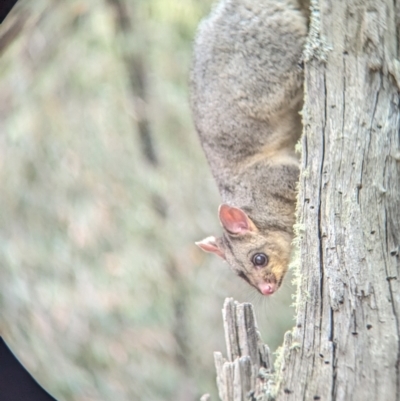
point(347, 335)
point(346, 343)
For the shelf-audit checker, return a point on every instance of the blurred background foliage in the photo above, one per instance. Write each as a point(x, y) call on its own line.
point(103, 294)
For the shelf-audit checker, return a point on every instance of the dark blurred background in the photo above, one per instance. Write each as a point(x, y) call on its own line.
point(104, 189)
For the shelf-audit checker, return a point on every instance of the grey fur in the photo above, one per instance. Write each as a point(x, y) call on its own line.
point(246, 94)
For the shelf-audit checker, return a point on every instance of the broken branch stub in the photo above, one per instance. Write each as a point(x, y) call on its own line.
point(244, 374)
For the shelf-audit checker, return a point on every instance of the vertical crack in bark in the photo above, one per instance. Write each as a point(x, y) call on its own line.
point(361, 173)
point(334, 365)
point(305, 165)
point(373, 115)
point(321, 173)
point(320, 228)
point(331, 334)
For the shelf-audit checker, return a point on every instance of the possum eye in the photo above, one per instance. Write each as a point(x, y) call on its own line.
point(260, 260)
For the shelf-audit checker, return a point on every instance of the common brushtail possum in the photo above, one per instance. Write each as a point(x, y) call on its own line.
point(246, 93)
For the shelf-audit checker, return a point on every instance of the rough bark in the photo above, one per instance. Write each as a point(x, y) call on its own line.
point(347, 335)
point(346, 343)
point(246, 372)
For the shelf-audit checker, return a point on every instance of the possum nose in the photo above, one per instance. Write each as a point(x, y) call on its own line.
point(267, 288)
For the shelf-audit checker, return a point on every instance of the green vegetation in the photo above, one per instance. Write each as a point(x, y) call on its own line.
point(103, 294)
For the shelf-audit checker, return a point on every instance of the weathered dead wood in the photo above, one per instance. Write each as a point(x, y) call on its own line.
point(245, 373)
point(347, 334)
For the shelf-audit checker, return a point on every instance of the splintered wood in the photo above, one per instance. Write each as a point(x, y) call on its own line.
point(245, 373)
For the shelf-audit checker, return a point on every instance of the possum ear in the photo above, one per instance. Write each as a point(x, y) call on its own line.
point(235, 220)
point(210, 244)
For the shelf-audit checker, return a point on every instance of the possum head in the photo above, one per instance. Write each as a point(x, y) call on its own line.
point(260, 257)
